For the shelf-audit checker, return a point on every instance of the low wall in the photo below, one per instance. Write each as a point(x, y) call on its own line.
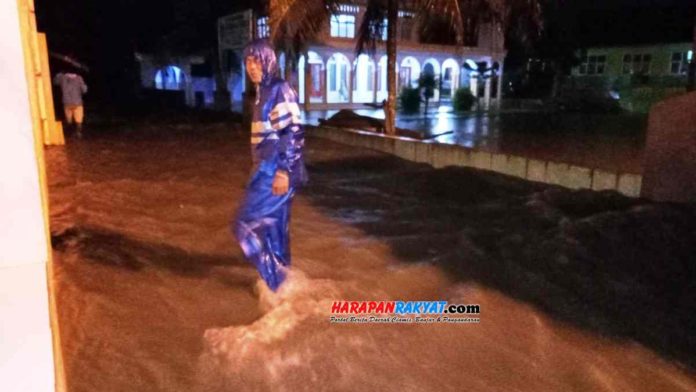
point(441, 155)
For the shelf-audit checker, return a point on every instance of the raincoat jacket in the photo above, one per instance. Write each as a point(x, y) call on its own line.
point(262, 222)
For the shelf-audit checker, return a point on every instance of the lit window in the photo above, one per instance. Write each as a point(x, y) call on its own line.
point(645, 66)
point(379, 77)
point(381, 27)
point(627, 64)
point(680, 63)
point(262, 28)
point(332, 77)
point(637, 64)
point(348, 9)
point(169, 78)
point(343, 26)
point(593, 65)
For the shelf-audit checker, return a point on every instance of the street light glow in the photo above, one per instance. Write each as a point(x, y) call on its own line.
point(471, 64)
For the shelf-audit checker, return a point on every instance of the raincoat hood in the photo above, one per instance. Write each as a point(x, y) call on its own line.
point(262, 50)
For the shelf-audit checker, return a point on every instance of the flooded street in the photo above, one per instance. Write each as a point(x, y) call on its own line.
point(579, 291)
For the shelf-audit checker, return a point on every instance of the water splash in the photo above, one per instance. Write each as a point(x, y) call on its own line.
point(285, 342)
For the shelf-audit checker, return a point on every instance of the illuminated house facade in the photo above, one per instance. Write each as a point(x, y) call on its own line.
point(339, 78)
point(663, 64)
point(188, 75)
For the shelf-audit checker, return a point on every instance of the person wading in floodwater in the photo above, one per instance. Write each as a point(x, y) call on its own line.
point(262, 222)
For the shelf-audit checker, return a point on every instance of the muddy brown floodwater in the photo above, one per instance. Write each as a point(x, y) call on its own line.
point(153, 294)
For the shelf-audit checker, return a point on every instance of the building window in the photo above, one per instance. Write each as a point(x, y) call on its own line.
point(169, 78)
point(680, 63)
point(332, 77)
point(593, 65)
point(637, 64)
point(262, 28)
point(348, 9)
point(343, 26)
point(379, 77)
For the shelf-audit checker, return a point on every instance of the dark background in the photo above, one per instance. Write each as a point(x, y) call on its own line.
point(105, 35)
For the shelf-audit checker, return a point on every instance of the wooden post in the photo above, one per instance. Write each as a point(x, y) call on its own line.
point(38, 109)
point(53, 130)
point(691, 79)
point(390, 109)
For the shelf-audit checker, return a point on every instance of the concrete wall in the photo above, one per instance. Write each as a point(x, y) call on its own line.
point(670, 151)
point(26, 354)
point(441, 155)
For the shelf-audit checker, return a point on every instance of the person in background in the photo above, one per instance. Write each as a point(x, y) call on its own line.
point(72, 87)
point(277, 141)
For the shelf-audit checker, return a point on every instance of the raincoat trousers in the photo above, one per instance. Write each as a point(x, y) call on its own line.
point(261, 225)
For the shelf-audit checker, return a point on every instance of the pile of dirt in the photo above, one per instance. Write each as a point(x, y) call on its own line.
point(349, 119)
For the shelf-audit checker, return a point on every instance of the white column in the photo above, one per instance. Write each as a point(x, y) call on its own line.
point(499, 93)
point(352, 71)
point(473, 85)
point(487, 93)
point(26, 352)
point(375, 74)
point(325, 80)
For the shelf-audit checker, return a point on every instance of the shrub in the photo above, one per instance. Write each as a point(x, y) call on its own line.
point(427, 82)
point(463, 100)
point(409, 99)
point(641, 99)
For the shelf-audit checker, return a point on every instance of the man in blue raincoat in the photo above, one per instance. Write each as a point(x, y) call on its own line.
point(277, 141)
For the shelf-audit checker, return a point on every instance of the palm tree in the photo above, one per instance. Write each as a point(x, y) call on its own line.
point(371, 31)
point(513, 17)
point(294, 24)
point(427, 83)
point(691, 84)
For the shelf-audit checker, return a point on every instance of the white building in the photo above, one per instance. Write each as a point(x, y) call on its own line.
point(340, 78)
point(188, 74)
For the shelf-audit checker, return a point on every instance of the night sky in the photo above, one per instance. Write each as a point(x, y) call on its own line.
point(105, 34)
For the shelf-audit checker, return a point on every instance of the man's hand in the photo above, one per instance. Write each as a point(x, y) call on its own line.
point(280, 183)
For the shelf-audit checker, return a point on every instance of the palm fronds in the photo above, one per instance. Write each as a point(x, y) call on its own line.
point(372, 27)
point(295, 23)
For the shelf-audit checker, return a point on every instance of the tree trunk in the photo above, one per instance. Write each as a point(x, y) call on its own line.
point(691, 84)
point(390, 108)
